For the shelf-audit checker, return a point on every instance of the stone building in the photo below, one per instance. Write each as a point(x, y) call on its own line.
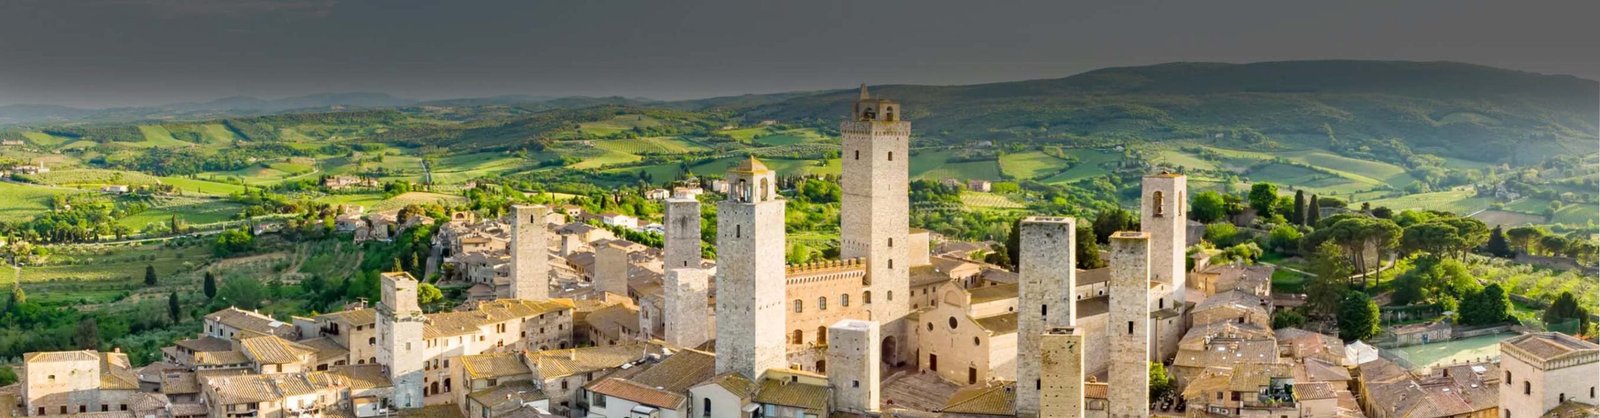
point(681, 241)
point(750, 273)
point(400, 325)
point(1129, 324)
point(853, 352)
point(77, 382)
point(530, 258)
point(687, 311)
point(970, 335)
point(1061, 369)
point(873, 213)
point(1047, 267)
point(1543, 371)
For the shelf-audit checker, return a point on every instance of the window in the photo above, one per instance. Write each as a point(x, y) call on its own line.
point(976, 341)
point(855, 383)
point(1130, 327)
point(563, 384)
point(891, 292)
point(736, 229)
point(705, 408)
point(891, 265)
point(822, 303)
point(866, 297)
point(952, 322)
point(891, 242)
point(1156, 204)
point(798, 306)
point(858, 154)
point(1044, 311)
point(822, 337)
point(1527, 388)
point(844, 300)
point(599, 400)
point(798, 338)
point(891, 155)
point(1508, 377)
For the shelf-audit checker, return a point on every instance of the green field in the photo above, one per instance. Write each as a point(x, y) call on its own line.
point(24, 201)
point(1029, 165)
point(981, 200)
point(657, 145)
point(1577, 214)
point(1091, 162)
point(1458, 201)
point(91, 178)
point(934, 165)
point(45, 140)
point(617, 124)
point(195, 211)
point(376, 201)
point(157, 136)
point(790, 137)
point(199, 186)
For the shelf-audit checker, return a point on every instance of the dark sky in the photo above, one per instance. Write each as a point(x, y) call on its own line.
point(141, 52)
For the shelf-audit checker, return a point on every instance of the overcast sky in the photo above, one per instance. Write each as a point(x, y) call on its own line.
point(96, 53)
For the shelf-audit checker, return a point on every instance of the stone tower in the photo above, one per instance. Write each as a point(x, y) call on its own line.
point(1046, 281)
point(1061, 364)
point(686, 312)
point(1128, 325)
point(682, 238)
point(400, 341)
point(1163, 214)
point(611, 268)
point(853, 357)
point(873, 217)
point(750, 273)
point(530, 253)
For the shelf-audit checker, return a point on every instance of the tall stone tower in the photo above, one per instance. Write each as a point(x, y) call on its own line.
point(1061, 364)
point(750, 273)
point(1045, 285)
point(611, 268)
point(682, 246)
point(873, 208)
point(400, 341)
point(1128, 325)
point(530, 253)
point(686, 311)
point(853, 357)
point(1163, 214)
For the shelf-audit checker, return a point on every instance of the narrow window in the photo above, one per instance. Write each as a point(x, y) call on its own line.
point(891, 242)
point(822, 303)
point(891, 155)
point(1130, 327)
point(891, 263)
point(1157, 203)
point(706, 408)
point(858, 154)
point(1527, 388)
point(1044, 311)
point(799, 337)
point(798, 306)
point(736, 231)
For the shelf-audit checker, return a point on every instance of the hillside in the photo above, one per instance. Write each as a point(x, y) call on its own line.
point(1458, 110)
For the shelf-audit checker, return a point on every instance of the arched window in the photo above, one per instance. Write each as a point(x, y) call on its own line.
point(869, 114)
point(740, 191)
point(1527, 388)
point(799, 306)
point(822, 335)
point(844, 300)
point(866, 297)
point(890, 296)
point(1157, 202)
point(891, 155)
point(888, 113)
point(705, 408)
point(766, 190)
point(822, 303)
point(799, 337)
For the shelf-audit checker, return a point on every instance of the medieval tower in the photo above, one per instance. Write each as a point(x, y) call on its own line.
point(687, 314)
point(1162, 215)
point(530, 258)
point(611, 268)
point(873, 214)
point(682, 236)
point(1046, 280)
point(400, 341)
point(750, 273)
point(853, 357)
point(1128, 324)
point(1061, 364)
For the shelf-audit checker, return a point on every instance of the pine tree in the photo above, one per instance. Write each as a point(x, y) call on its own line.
point(149, 275)
point(1358, 317)
point(1497, 245)
point(173, 309)
point(210, 286)
point(1299, 215)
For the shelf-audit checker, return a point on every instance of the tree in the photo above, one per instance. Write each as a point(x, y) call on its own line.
point(173, 308)
point(1313, 211)
point(88, 335)
point(1490, 306)
point(1524, 237)
point(1358, 317)
point(1497, 245)
point(1262, 198)
point(1088, 250)
point(1566, 308)
point(1284, 239)
point(1330, 270)
point(210, 286)
point(1110, 221)
point(149, 275)
point(1207, 207)
point(241, 292)
point(1553, 245)
point(233, 241)
point(427, 294)
point(1160, 382)
point(1298, 216)
point(1014, 246)
point(1287, 318)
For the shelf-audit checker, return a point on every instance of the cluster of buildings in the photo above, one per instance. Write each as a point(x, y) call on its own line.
point(565, 319)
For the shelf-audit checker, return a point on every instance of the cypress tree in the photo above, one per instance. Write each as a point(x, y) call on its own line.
point(1313, 211)
point(210, 286)
point(1497, 245)
point(1299, 215)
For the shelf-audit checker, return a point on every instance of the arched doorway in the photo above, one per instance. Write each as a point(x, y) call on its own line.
point(890, 351)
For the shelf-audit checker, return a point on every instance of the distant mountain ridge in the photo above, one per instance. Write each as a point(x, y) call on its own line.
point(251, 106)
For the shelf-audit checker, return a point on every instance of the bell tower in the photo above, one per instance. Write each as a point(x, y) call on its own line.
point(874, 221)
point(750, 273)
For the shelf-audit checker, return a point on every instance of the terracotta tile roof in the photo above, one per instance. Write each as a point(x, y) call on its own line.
point(273, 350)
point(1002, 324)
point(1088, 307)
point(264, 387)
point(327, 349)
point(496, 365)
point(432, 411)
point(609, 320)
point(53, 356)
point(994, 399)
point(1251, 377)
point(250, 321)
point(1315, 391)
point(1549, 345)
point(1095, 391)
point(571, 361)
point(450, 324)
point(361, 317)
point(661, 384)
point(994, 293)
point(179, 382)
point(1572, 409)
point(188, 409)
point(220, 358)
point(734, 383)
point(507, 396)
point(793, 394)
point(361, 376)
point(206, 343)
point(116, 372)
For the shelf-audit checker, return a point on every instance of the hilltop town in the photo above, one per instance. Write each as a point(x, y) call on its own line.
point(564, 318)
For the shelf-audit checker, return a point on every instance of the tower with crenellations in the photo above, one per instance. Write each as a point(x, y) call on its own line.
point(873, 215)
point(681, 246)
point(1061, 365)
point(750, 273)
point(400, 350)
point(1046, 280)
point(1128, 324)
point(530, 255)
